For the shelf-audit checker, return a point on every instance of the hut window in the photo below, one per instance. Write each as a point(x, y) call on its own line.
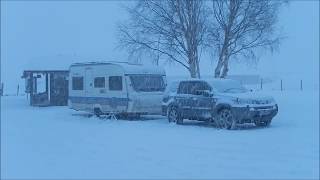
point(115, 83)
point(99, 82)
point(77, 83)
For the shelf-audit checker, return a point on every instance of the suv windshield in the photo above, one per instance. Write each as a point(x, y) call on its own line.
point(147, 83)
point(228, 86)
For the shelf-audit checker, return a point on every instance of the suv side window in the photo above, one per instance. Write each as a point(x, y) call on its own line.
point(184, 88)
point(192, 87)
point(200, 85)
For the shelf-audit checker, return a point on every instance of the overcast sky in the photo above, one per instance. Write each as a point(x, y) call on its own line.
point(54, 34)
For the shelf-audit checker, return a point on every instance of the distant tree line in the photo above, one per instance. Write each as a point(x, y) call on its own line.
point(180, 30)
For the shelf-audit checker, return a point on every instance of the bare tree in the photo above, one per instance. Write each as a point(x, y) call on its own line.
point(168, 28)
point(241, 27)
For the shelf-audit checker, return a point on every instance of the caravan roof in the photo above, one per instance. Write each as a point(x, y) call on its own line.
point(128, 68)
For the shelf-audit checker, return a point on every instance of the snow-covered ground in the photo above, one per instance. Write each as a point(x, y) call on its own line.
point(56, 142)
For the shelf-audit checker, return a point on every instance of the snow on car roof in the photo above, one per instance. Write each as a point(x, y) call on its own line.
point(209, 80)
point(129, 68)
point(218, 84)
point(220, 80)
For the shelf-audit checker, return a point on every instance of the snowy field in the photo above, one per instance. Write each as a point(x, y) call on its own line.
point(56, 142)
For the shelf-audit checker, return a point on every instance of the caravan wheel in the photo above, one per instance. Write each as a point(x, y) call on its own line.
point(97, 112)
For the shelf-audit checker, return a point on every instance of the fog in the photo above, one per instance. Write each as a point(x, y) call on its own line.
point(52, 35)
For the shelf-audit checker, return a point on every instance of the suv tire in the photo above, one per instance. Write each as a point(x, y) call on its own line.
point(225, 119)
point(174, 115)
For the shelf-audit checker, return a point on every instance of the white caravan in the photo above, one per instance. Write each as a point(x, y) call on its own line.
point(116, 87)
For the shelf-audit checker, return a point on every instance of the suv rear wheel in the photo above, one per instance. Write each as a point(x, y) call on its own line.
point(174, 116)
point(225, 119)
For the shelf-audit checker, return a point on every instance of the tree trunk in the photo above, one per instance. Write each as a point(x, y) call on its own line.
point(192, 70)
point(198, 69)
point(197, 62)
point(225, 67)
point(217, 70)
point(222, 56)
point(194, 64)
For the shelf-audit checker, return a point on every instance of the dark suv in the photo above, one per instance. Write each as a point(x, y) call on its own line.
point(220, 101)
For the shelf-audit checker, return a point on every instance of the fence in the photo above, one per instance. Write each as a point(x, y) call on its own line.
point(290, 82)
point(284, 85)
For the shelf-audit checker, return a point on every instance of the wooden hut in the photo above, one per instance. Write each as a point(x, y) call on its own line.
point(56, 87)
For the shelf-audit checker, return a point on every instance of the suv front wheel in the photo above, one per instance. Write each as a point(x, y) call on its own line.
point(174, 116)
point(225, 119)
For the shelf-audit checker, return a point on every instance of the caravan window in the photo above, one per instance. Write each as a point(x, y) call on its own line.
point(99, 82)
point(147, 83)
point(115, 83)
point(77, 83)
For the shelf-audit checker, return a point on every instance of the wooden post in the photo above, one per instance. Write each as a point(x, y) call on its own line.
point(31, 88)
point(261, 84)
point(47, 85)
point(301, 85)
point(35, 83)
point(281, 85)
point(50, 82)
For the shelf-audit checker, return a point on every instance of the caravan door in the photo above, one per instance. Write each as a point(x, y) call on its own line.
point(88, 81)
point(88, 85)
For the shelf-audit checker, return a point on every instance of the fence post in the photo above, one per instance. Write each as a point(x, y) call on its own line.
point(1, 89)
point(301, 88)
point(18, 90)
point(281, 85)
point(261, 84)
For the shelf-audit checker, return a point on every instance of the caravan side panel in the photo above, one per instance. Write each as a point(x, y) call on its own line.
point(104, 89)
